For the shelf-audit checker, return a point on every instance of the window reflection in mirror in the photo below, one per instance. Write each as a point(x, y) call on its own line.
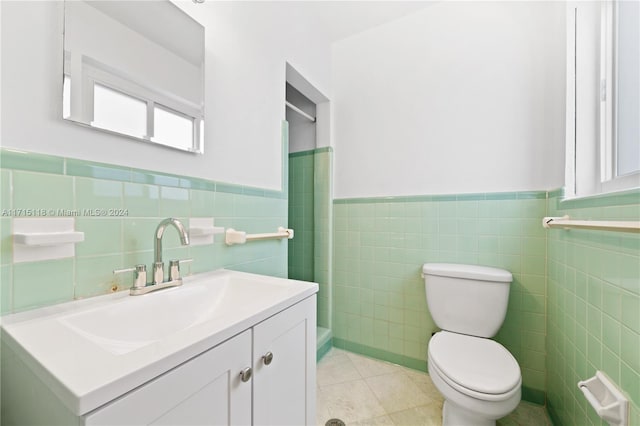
point(135, 68)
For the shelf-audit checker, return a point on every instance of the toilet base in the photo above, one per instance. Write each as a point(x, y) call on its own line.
point(454, 415)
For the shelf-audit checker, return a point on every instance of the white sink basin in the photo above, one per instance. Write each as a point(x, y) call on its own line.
point(134, 322)
point(91, 351)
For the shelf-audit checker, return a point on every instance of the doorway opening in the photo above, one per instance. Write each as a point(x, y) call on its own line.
point(310, 194)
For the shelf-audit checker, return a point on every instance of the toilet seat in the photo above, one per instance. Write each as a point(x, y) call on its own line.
point(478, 367)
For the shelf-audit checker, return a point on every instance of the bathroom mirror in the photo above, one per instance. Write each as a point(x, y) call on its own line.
point(135, 68)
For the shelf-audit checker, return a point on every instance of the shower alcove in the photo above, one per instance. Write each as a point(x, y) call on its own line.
point(310, 198)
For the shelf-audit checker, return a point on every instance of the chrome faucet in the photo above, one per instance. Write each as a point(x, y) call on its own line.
point(140, 285)
point(158, 264)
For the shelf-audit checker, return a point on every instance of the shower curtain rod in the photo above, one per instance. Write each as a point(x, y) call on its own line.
point(299, 111)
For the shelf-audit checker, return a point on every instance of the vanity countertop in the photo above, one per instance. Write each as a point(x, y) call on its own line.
point(94, 350)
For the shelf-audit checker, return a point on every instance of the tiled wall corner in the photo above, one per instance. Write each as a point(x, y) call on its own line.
point(593, 307)
point(116, 241)
point(379, 301)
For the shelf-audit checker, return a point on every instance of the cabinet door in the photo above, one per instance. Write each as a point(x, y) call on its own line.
point(206, 390)
point(284, 391)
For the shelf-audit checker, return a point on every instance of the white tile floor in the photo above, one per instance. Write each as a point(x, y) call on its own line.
point(363, 391)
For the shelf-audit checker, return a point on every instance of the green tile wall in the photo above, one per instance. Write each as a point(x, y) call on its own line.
point(301, 215)
point(323, 222)
point(379, 304)
point(593, 307)
point(42, 182)
point(310, 208)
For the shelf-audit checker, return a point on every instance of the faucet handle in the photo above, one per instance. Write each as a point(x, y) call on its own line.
point(140, 276)
point(174, 268)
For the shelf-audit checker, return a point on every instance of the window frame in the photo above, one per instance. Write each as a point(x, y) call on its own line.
point(591, 160)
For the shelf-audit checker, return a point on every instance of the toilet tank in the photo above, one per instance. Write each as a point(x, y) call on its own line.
point(467, 299)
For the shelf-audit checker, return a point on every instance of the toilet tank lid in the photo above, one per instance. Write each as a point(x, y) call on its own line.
point(473, 272)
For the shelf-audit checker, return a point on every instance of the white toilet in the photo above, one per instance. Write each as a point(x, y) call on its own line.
point(479, 379)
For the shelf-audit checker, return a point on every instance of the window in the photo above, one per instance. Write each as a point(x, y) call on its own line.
point(603, 97)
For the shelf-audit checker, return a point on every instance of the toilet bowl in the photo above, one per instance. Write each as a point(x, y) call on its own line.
point(479, 378)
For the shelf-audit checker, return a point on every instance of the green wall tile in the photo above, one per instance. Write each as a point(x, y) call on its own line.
point(18, 160)
point(611, 333)
point(460, 229)
point(174, 202)
point(258, 192)
point(97, 194)
point(94, 276)
point(631, 311)
point(202, 203)
point(138, 234)
point(101, 236)
point(6, 241)
point(301, 215)
point(5, 189)
point(630, 382)
point(223, 205)
point(160, 179)
point(6, 289)
point(137, 192)
point(630, 348)
point(200, 184)
point(611, 364)
point(229, 188)
point(97, 170)
point(42, 191)
point(42, 283)
point(470, 197)
point(590, 280)
point(141, 200)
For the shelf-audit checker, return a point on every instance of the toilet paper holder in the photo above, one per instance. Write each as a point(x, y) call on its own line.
point(603, 395)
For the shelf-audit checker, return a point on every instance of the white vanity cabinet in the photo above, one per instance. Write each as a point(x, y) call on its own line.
point(206, 390)
point(174, 357)
point(284, 390)
point(209, 389)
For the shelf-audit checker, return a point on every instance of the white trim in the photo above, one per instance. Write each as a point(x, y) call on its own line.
point(591, 128)
point(621, 183)
point(570, 149)
point(607, 94)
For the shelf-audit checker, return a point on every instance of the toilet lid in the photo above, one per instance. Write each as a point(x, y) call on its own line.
point(475, 363)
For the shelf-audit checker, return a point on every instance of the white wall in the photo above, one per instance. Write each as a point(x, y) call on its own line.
point(460, 97)
point(247, 46)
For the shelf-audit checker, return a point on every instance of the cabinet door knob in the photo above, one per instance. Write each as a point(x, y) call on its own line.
point(267, 358)
point(245, 374)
